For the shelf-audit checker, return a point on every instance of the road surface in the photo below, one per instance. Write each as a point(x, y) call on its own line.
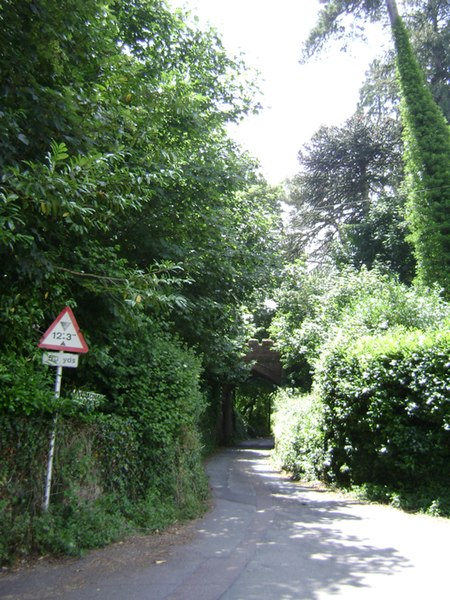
point(266, 538)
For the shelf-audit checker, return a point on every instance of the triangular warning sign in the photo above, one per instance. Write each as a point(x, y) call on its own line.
point(64, 334)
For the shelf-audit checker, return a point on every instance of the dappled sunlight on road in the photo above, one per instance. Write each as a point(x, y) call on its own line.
point(298, 542)
point(270, 538)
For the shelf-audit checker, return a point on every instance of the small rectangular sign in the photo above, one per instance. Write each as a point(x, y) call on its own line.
point(60, 359)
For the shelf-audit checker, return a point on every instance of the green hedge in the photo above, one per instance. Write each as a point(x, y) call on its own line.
point(297, 424)
point(104, 484)
point(128, 456)
point(25, 386)
point(387, 409)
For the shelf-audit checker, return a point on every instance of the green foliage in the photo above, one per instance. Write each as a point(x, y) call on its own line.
point(153, 378)
point(79, 526)
point(376, 350)
point(432, 499)
point(232, 259)
point(344, 170)
point(327, 306)
point(105, 484)
point(379, 413)
point(122, 195)
point(379, 240)
point(253, 405)
point(427, 138)
point(422, 88)
point(298, 427)
point(140, 201)
point(387, 416)
point(426, 132)
point(48, 73)
point(23, 450)
point(428, 26)
point(25, 389)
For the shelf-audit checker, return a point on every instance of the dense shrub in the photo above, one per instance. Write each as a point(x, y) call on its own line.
point(76, 490)
point(153, 379)
point(318, 307)
point(379, 415)
point(299, 434)
point(24, 387)
point(98, 489)
point(128, 457)
point(387, 408)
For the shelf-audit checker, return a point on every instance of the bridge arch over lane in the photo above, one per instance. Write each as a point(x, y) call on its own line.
point(266, 360)
point(265, 363)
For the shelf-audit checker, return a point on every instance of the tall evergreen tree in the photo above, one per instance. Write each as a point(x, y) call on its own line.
point(426, 134)
point(427, 159)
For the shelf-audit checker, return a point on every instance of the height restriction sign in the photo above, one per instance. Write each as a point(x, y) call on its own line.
point(64, 334)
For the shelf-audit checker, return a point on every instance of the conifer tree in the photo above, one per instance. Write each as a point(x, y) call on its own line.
point(426, 134)
point(427, 161)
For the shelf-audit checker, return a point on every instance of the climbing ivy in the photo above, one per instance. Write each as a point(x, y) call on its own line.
point(427, 140)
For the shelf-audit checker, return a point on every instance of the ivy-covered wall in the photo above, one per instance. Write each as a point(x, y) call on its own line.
point(129, 458)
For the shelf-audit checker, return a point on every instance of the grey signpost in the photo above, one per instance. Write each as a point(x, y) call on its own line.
point(65, 336)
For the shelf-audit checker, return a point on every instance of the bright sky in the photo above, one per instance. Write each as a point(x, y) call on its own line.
point(298, 99)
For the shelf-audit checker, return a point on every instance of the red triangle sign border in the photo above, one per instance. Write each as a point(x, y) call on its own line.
point(46, 343)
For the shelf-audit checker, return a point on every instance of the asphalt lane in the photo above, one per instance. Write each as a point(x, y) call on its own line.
point(268, 538)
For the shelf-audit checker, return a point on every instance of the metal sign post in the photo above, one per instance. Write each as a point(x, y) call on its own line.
point(51, 449)
point(63, 334)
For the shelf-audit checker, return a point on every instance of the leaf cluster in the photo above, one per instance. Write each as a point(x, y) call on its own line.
point(122, 196)
point(344, 172)
point(298, 427)
point(326, 307)
point(386, 408)
point(427, 138)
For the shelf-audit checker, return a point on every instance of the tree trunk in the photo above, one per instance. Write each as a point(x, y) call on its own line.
point(228, 412)
point(392, 10)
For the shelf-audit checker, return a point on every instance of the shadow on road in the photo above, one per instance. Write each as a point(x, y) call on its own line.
point(301, 543)
point(267, 538)
point(256, 444)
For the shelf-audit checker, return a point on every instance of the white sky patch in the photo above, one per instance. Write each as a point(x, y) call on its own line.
point(298, 99)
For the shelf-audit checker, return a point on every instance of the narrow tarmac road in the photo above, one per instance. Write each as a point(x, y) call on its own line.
point(267, 538)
